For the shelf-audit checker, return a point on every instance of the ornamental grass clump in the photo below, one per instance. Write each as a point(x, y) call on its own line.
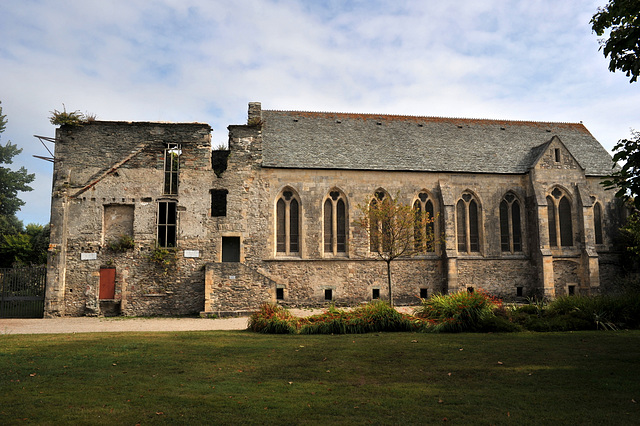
point(373, 317)
point(456, 312)
point(273, 319)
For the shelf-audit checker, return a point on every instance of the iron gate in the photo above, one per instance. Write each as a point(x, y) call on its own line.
point(22, 292)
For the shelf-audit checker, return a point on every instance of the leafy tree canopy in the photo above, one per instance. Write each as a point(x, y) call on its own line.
point(11, 181)
point(622, 19)
point(627, 179)
point(25, 248)
point(17, 245)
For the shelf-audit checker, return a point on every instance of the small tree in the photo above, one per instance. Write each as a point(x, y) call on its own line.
point(395, 230)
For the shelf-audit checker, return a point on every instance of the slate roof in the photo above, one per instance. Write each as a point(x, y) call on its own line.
point(325, 140)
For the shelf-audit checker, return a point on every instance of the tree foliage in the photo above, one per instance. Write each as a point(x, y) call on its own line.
point(630, 237)
point(11, 181)
point(626, 179)
point(395, 230)
point(25, 248)
point(17, 245)
point(622, 19)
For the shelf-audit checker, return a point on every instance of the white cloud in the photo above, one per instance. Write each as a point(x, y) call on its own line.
point(200, 60)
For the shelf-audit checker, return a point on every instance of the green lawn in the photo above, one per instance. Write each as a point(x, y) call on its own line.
point(382, 378)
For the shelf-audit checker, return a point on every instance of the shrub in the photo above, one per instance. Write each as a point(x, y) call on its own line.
point(604, 311)
point(375, 316)
point(527, 309)
point(457, 312)
point(497, 324)
point(554, 323)
point(462, 311)
point(273, 319)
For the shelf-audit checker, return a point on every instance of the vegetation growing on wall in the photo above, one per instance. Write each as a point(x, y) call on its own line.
point(121, 244)
point(73, 118)
point(254, 122)
point(165, 258)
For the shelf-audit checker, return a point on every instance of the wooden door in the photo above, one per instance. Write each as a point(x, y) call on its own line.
point(107, 283)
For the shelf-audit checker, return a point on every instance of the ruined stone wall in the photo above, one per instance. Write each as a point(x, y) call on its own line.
point(108, 180)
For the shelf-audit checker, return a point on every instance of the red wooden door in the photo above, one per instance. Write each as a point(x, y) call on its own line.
point(107, 283)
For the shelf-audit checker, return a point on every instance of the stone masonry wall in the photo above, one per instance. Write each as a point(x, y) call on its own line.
point(108, 173)
point(500, 277)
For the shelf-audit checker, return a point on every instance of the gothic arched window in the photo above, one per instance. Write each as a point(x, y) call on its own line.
point(597, 222)
point(287, 223)
point(423, 233)
point(560, 220)
point(379, 226)
point(335, 223)
point(468, 224)
point(510, 224)
point(564, 216)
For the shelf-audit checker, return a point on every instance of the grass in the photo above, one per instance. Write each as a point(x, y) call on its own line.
point(587, 377)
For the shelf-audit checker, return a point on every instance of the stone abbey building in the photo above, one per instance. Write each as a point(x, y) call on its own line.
point(272, 218)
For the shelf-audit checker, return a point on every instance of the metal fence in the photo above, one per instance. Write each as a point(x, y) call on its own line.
point(22, 292)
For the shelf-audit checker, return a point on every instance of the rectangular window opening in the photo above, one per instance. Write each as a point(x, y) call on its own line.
point(328, 294)
point(571, 290)
point(231, 249)
point(219, 159)
point(279, 293)
point(219, 202)
point(519, 291)
point(375, 293)
point(556, 154)
point(171, 167)
point(424, 293)
point(167, 224)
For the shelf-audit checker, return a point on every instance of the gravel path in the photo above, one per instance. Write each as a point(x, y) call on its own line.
point(119, 324)
point(115, 324)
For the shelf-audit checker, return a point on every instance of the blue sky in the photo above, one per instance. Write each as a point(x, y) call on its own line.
point(204, 60)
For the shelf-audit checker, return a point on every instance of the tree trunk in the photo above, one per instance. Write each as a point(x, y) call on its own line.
point(389, 282)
